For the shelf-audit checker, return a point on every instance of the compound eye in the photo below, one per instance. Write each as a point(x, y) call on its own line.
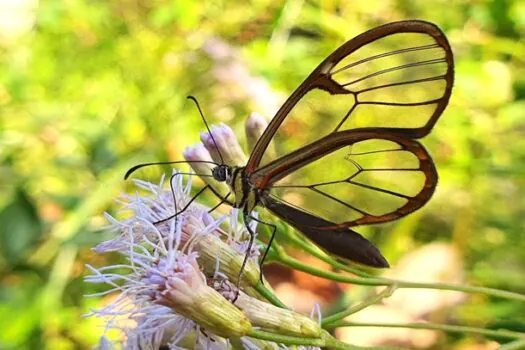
point(218, 173)
point(221, 173)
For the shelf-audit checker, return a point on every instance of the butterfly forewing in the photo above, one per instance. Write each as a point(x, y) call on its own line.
point(398, 76)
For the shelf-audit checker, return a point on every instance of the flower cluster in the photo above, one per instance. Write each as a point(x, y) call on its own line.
point(181, 272)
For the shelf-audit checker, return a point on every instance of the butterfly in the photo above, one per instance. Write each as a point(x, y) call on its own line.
point(358, 160)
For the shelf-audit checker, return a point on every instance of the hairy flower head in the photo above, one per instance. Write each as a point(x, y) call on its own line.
point(181, 266)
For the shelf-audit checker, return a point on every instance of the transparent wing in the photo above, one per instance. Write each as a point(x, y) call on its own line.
point(398, 77)
point(353, 178)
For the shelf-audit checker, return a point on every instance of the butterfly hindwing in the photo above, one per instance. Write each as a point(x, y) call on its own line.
point(352, 178)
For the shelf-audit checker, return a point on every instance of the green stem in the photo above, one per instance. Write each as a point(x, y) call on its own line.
point(517, 344)
point(434, 326)
point(326, 341)
point(354, 309)
point(268, 295)
point(380, 281)
point(286, 339)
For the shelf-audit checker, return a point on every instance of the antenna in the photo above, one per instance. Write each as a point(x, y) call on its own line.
point(138, 166)
point(206, 124)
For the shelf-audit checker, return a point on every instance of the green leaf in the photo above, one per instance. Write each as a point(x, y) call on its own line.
point(20, 227)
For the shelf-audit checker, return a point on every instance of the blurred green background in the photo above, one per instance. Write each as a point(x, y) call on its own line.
point(89, 88)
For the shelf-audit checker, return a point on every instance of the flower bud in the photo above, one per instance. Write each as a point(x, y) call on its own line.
point(187, 293)
point(199, 153)
point(223, 143)
point(212, 249)
point(255, 126)
point(275, 319)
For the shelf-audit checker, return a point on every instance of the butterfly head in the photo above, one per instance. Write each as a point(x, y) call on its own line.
point(222, 173)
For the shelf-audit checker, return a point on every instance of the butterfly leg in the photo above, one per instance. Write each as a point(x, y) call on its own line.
point(185, 207)
point(265, 254)
point(223, 200)
point(246, 216)
point(203, 331)
point(173, 189)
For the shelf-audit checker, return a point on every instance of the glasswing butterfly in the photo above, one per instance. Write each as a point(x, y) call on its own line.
point(358, 162)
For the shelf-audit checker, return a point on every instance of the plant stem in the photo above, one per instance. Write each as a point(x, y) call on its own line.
point(385, 293)
point(326, 341)
point(380, 281)
point(265, 292)
point(434, 326)
point(517, 344)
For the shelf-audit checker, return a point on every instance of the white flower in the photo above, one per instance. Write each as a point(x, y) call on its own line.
point(162, 289)
point(182, 266)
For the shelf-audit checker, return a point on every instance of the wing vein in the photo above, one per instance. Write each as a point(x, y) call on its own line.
point(378, 151)
point(345, 118)
point(423, 80)
point(423, 103)
point(386, 54)
point(311, 186)
point(393, 69)
point(379, 189)
point(340, 201)
point(392, 169)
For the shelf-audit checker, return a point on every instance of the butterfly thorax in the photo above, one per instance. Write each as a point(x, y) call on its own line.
point(237, 179)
